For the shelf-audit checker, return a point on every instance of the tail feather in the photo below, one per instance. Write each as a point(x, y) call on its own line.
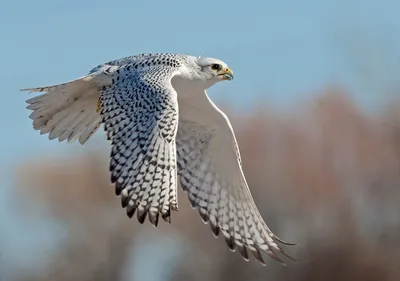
point(66, 111)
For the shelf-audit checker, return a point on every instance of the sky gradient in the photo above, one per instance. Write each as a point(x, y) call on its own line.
point(280, 52)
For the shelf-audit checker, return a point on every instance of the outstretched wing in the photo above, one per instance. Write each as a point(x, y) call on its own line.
point(210, 172)
point(140, 115)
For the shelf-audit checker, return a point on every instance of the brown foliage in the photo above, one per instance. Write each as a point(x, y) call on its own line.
point(327, 176)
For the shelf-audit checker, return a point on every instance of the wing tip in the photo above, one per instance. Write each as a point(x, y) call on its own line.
point(26, 90)
point(283, 241)
point(40, 89)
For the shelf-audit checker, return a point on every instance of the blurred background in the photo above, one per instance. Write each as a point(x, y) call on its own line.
point(315, 105)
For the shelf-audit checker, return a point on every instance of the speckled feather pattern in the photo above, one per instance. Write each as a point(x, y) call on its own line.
point(140, 116)
point(222, 202)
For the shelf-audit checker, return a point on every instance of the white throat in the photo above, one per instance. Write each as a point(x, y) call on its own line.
point(186, 83)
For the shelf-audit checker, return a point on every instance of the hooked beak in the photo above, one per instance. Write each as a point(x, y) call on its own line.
point(226, 74)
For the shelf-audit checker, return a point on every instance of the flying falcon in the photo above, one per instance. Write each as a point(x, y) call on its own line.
point(165, 131)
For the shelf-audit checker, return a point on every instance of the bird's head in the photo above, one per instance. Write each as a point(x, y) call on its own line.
point(213, 69)
point(202, 74)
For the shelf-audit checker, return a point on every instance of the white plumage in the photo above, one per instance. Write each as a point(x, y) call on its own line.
point(164, 129)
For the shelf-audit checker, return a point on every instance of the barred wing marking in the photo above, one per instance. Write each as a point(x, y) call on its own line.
point(140, 116)
point(210, 172)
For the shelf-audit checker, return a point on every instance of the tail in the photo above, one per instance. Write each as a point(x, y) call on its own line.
point(67, 111)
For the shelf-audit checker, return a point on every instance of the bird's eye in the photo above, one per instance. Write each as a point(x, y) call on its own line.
point(216, 67)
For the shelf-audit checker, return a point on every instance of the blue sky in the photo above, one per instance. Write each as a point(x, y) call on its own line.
point(280, 51)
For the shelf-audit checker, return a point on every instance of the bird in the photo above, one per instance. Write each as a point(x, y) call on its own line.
point(165, 132)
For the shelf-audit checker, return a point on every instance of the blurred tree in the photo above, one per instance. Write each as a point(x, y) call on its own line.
point(326, 176)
